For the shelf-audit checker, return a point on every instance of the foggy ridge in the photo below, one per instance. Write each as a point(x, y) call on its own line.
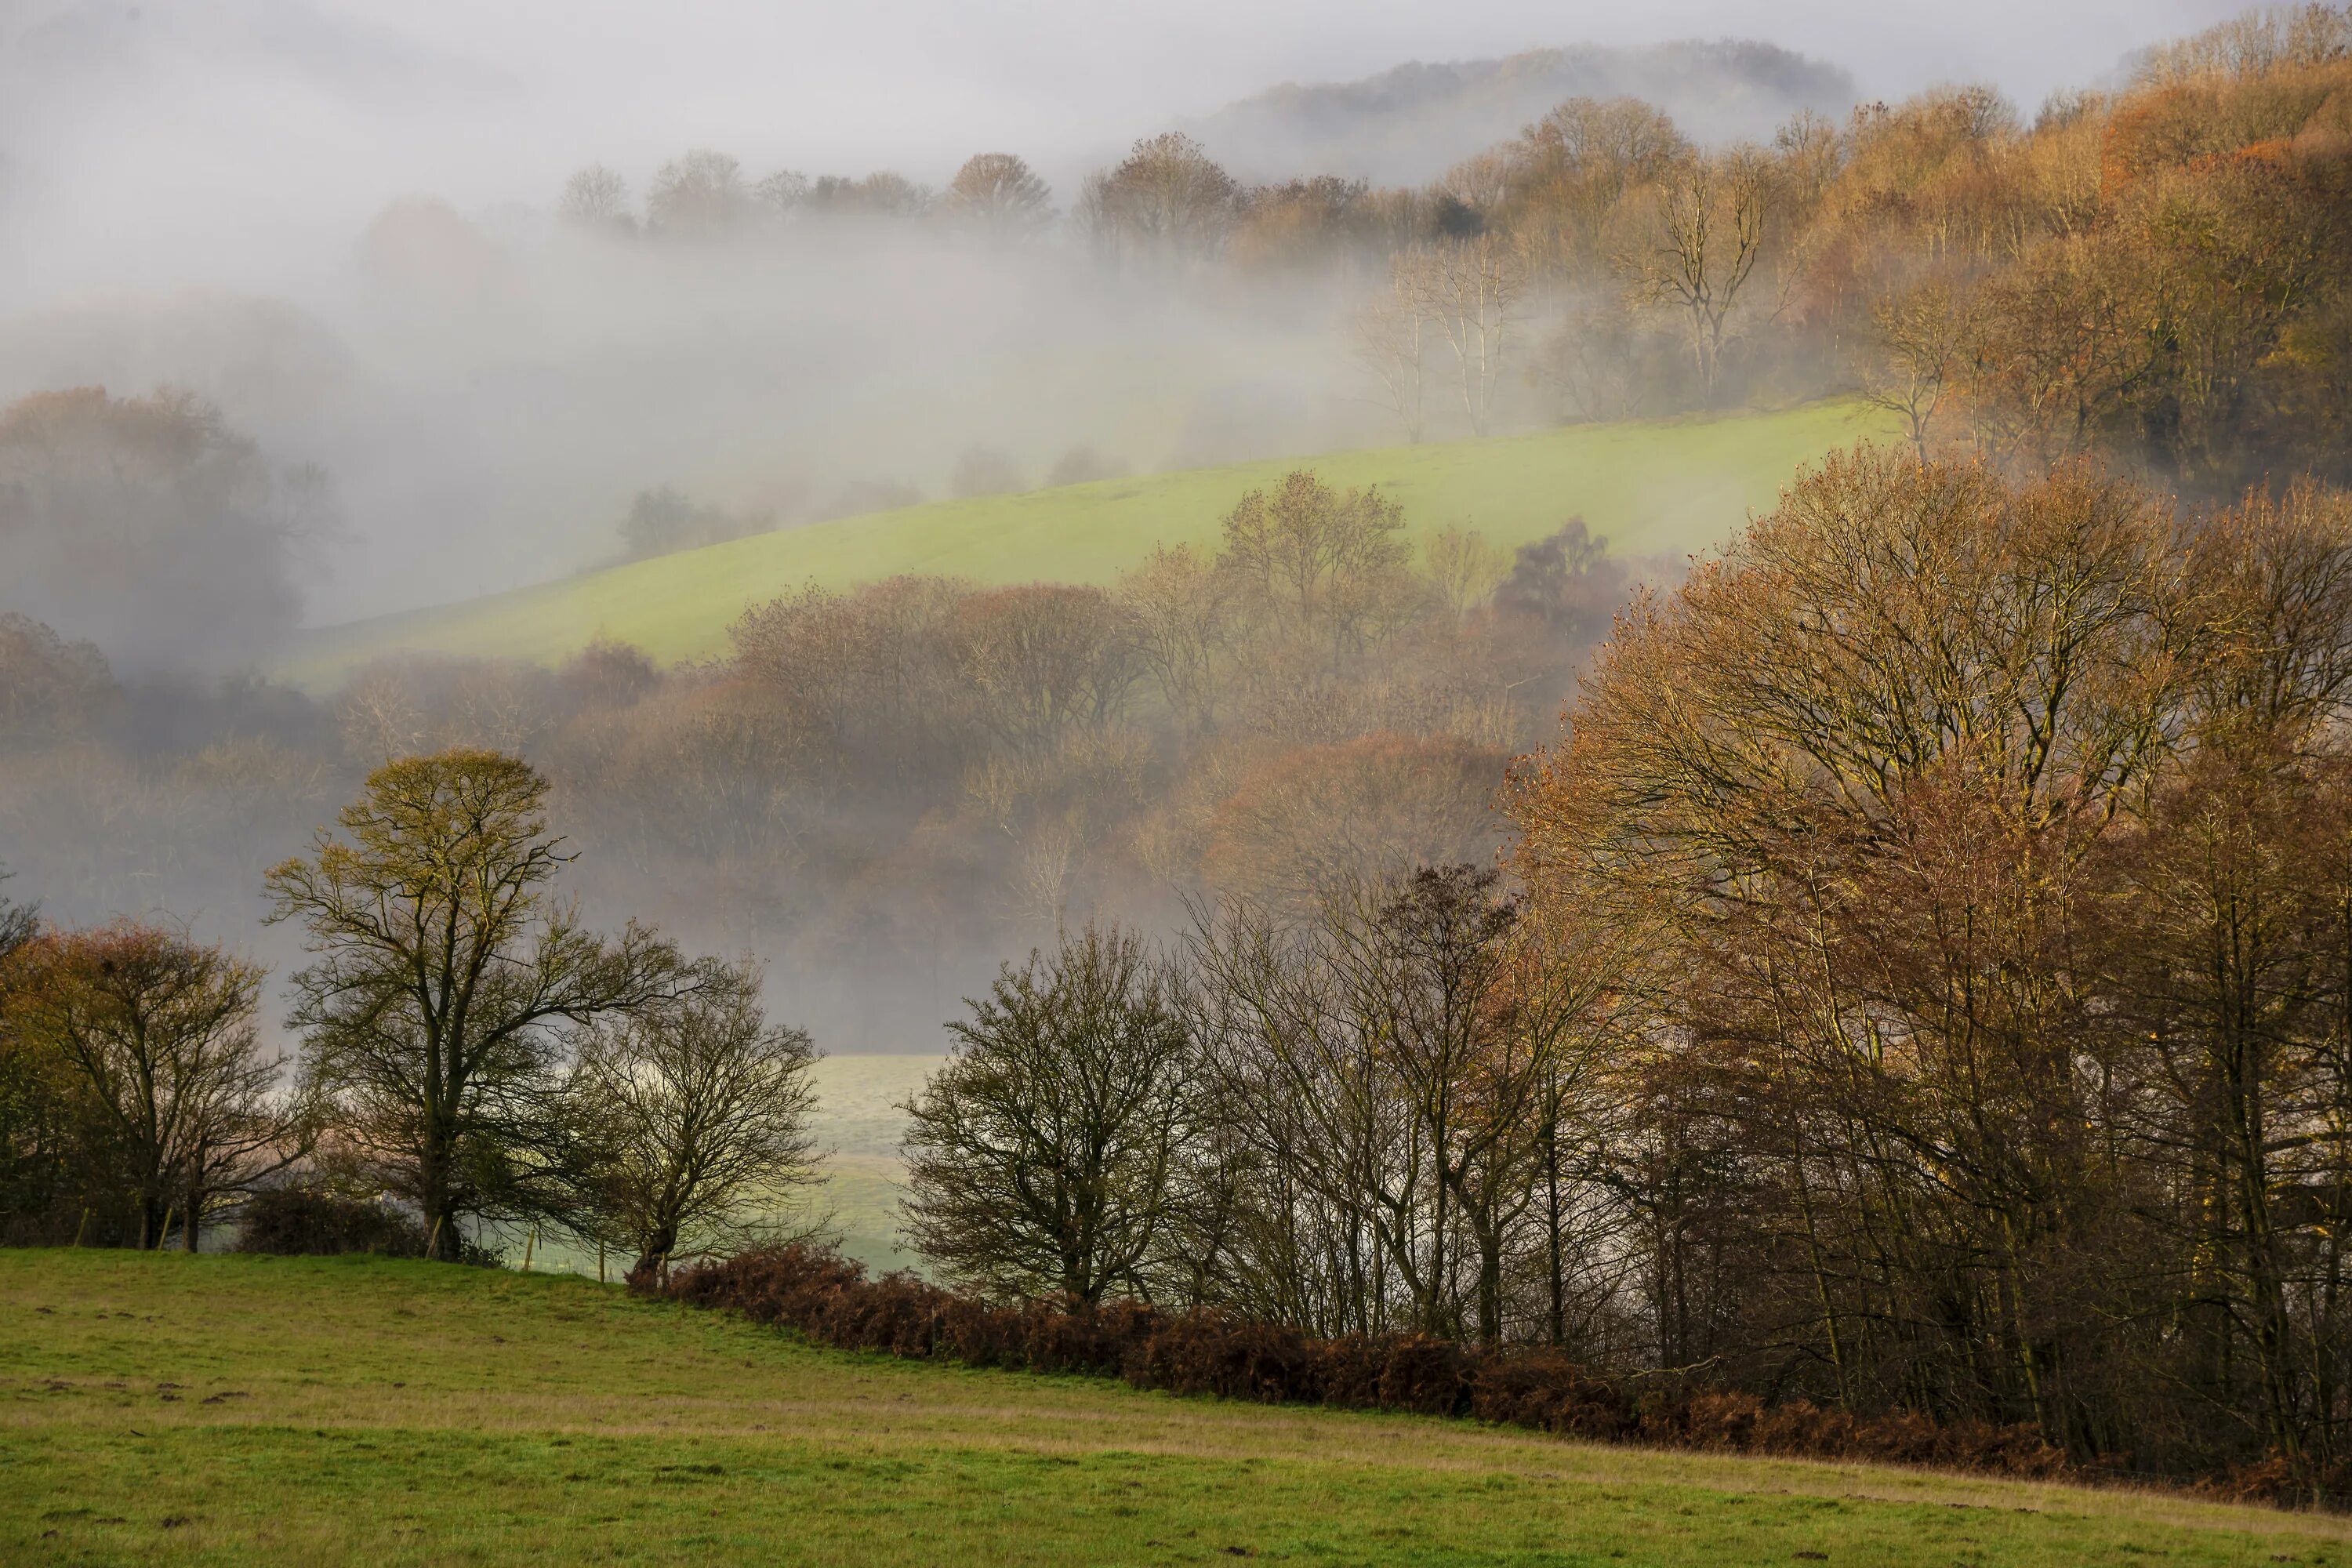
point(1414, 122)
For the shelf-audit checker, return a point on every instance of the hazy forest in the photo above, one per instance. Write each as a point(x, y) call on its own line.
point(1896, 964)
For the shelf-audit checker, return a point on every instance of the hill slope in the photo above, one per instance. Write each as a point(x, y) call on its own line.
point(1409, 125)
point(1655, 487)
point(233, 1410)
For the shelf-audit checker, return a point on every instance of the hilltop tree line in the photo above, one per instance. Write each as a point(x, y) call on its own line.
point(2147, 273)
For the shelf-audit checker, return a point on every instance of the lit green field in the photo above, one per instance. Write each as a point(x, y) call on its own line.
point(235, 1410)
point(858, 1125)
point(1667, 487)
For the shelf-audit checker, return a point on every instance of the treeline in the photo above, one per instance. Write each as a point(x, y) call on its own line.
point(470, 1054)
point(1920, 987)
point(2149, 273)
point(894, 777)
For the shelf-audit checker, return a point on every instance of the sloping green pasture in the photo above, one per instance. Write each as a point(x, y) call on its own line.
point(1658, 486)
point(240, 1410)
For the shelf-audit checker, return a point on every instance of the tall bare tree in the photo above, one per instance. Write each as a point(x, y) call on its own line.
point(999, 194)
point(1044, 1158)
point(1470, 291)
point(1166, 199)
point(1389, 332)
point(1699, 248)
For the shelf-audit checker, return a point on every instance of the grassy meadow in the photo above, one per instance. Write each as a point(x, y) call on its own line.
point(858, 1126)
point(1657, 487)
point(235, 1410)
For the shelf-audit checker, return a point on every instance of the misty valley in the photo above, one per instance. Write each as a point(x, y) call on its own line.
point(1614, 777)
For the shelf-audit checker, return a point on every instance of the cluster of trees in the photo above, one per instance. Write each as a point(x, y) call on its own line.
point(2146, 274)
point(132, 1088)
point(705, 195)
point(469, 1051)
point(899, 774)
point(1921, 984)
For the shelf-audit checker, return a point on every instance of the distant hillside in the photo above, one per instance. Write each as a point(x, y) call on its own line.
point(1413, 123)
point(1659, 487)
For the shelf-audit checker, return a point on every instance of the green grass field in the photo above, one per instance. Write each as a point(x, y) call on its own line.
point(1660, 487)
point(241, 1410)
point(858, 1125)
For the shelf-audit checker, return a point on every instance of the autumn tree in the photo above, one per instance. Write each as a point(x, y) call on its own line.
point(159, 1033)
point(1318, 562)
point(999, 194)
point(44, 1130)
point(1178, 620)
point(1166, 199)
point(48, 687)
point(447, 984)
point(1567, 174)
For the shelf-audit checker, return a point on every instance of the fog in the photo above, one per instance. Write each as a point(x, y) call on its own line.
point(336, 222)
point(187, 190)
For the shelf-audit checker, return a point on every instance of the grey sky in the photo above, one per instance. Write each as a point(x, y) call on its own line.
point(178, 176)
point(912, 82)
point(483, 101)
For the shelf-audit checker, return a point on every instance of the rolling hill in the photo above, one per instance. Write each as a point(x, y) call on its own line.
point(1409, 125)
point(1661, 486)
point(233, 1410)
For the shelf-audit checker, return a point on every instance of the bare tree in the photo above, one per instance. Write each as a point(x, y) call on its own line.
point(1923, 340)
point(1466, 568)
point(1390, 333)
point(1179, 618)
point(596, 198)
point(781, 193)
point(1470, 289)
point(691, 1121)
point(1317, 563)
point(1701, 246)
point(1044, 1157)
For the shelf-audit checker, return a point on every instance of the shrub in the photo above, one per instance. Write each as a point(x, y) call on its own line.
point(830, 1299)
point(298, 1221)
